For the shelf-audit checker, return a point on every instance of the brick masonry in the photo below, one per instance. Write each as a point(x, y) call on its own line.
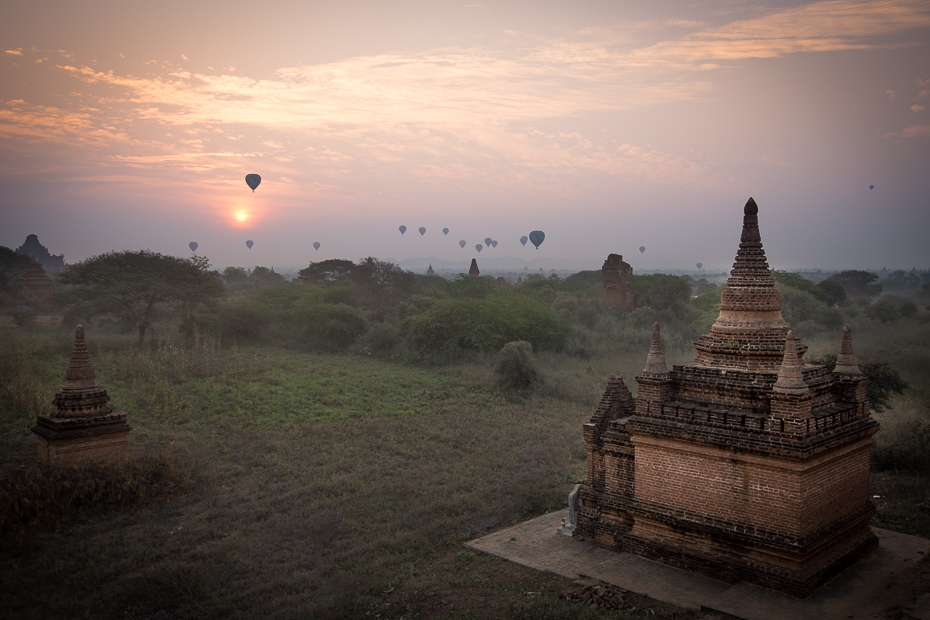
point(83, 425)
point(746, 464)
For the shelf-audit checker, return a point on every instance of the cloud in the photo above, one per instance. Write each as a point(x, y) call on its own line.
point(917, 108)
point(914, 131)
point(16, 52)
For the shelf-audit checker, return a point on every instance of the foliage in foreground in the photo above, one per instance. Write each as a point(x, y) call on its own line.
point(515, 366)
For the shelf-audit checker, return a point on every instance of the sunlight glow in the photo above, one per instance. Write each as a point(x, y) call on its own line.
point(241, 217)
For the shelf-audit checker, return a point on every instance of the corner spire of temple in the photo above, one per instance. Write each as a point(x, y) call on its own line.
point(80, 394)
point(655, 361)
point(846, 362)
point(790, 378)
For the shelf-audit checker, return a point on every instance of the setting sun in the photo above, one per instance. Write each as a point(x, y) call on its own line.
point(241, 217)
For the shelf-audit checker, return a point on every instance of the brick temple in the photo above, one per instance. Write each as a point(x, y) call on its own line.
point(83, 426)
point(746, 464)
point(617, 278)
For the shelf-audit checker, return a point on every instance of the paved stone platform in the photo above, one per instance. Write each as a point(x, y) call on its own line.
point(870, 588)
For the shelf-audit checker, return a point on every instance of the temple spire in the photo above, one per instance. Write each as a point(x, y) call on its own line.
point(790, 379)
point(655, 361)
point(80, 394)
point(846, 362)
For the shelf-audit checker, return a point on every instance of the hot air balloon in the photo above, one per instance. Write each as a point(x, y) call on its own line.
point(478, 247)
point(487, 241)
point(642, 249)
point(316, 245)
point(700, 265)
point(252, 180)
point(871, 187)
point(524, 239)
point(462, 243)
point(422, 230)
point(445, 231)
point(402, 229)
point(537, 237)
point(249, 244)
point(494, 243)
point(193, 246)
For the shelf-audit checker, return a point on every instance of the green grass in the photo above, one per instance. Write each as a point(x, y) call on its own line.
point(320, 482)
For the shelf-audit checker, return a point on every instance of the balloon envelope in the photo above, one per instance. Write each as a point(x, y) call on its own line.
point(524, 239)
point(193, 246)
point(487, 241)
point(402, 229)
point(252, 180)
point(249, 244)
point(462, 243)
point(445, 231)
point(871, 187)
point(478, 247)
point(422, 230)
point(700, 265)
point(494, 243)
point(537, 237)
point(316, 245)
point(642, 249)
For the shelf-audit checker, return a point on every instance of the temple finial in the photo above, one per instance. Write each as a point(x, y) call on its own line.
point(80, 372)
point(846, 362)
point(790, 379)
point(655, 361)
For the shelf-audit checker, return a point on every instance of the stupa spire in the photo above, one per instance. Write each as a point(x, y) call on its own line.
point(846, 362)
point(790, 379)
point(655, 361)
point(80, 394)
point(749, 332)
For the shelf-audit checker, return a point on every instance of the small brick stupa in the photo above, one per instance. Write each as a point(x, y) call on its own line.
point(83, 425)
point(745, 464)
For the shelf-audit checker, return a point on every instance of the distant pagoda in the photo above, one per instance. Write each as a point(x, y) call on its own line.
point(32, 247)
point(83, 425)
point(745, 464)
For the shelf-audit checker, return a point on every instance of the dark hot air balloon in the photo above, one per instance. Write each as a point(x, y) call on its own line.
point(871, 187)
point(422, 230)
point(537, 237)
point(252, 180)
point(700, 265)
point(402, 229)
point(642, 249)
point(462, 243)
point(487, 241)
point(445, 231)
point(249, 244)
point(316, 245)
point(524, 239)
point(193, 246)
point(494, 243)
point(478, 247)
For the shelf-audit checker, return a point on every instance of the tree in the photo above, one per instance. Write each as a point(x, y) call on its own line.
point(857, 283)
point(13, 267)
point(135, 283)
point(383, 284)
point(328, 272)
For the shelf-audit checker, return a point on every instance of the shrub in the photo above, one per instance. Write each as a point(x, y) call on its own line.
point(454, 326)
point(516, 367)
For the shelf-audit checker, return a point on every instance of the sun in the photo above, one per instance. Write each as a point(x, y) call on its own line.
point(241, 217)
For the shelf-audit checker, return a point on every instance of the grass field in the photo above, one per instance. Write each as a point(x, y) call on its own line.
point(328, 485)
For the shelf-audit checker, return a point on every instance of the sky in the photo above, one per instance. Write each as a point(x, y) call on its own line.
point(610, 126)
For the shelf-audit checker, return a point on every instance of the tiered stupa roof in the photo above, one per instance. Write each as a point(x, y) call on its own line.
point(749, 333)
point(80, 395)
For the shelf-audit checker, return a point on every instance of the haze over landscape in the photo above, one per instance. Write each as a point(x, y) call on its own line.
point(608, 125)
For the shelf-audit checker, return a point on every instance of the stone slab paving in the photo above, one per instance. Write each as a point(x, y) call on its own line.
point(865, 590)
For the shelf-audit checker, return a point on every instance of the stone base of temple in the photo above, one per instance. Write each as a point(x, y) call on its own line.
point(68, 440)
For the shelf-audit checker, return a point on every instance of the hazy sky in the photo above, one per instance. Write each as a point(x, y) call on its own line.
point(608, 125)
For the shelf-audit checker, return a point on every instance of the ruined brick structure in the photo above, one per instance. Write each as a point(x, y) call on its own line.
point(83, 425)
point(35, 287)
point(473, 269)
point(50, 262)
point(618, 282)
point(745, 464)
